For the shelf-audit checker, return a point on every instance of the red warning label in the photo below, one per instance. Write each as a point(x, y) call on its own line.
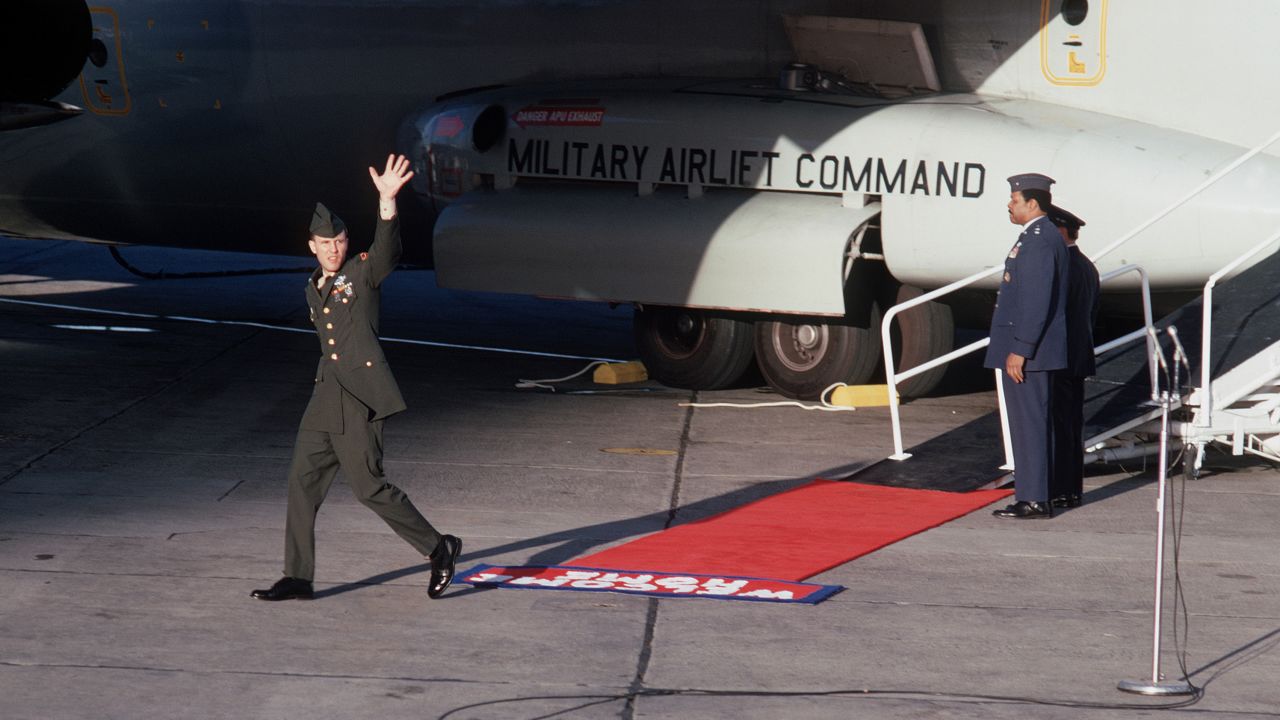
point(550, 114)
point(448, 126)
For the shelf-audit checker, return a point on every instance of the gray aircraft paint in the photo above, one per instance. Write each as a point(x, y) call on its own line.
point(241, 114)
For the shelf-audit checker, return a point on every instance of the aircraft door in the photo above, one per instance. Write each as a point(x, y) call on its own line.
point(102, 82)
point(1073, 41)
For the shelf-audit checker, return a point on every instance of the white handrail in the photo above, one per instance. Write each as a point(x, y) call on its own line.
point(1148, 326)
point(1004, 422)
point(893, 378)
point(886, 342)
point(1206, 327)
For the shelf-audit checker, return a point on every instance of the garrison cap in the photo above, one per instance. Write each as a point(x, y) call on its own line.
point(1064, 218)
point(326, 224)
point(1030, 181)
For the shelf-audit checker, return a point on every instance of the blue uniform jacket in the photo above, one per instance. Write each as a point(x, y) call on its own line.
point(1030, 317)
point(1082, 314)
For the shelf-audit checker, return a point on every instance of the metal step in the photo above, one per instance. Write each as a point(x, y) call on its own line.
point(1245, 347)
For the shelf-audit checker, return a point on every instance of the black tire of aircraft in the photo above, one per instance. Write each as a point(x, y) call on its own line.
point(692, 349)
point(801, 359)
point(698, 350)
point(920, 334)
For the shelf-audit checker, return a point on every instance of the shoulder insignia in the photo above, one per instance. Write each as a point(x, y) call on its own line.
point(364, 256)
point(1036, 231)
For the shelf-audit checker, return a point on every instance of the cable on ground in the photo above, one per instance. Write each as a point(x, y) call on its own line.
point(549, 383)
point(849, 693)
point(825, 405)
point(1178, 503)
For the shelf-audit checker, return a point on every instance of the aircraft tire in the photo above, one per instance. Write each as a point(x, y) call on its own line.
point(919, 335)
point(692, 349)
point(800, 360)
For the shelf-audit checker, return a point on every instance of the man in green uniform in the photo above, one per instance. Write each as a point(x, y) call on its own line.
point(354, 393)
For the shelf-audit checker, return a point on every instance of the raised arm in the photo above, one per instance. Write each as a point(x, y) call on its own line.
point(393, 177)
point(384, 253)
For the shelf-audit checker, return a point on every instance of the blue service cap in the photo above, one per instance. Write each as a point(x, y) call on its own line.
point(1064, 218)
point(1029, 181)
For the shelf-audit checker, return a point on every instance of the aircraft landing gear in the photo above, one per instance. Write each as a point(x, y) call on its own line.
point(800, 360)
point(919, 335)
point(688, 348)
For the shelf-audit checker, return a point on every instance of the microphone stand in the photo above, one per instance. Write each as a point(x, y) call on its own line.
point(1167, 398)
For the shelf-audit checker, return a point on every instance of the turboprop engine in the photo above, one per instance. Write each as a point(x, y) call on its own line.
point(45, 45)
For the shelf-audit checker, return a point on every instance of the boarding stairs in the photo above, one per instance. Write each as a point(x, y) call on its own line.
point(1221, 363)
point(1234, 351)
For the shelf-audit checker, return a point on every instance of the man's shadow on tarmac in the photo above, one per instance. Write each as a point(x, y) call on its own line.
point(564, 545)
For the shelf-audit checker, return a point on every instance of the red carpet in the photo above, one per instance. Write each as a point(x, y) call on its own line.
point(795, 534)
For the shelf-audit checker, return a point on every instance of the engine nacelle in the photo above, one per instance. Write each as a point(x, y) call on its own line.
point(44, 46)
point(936, 164)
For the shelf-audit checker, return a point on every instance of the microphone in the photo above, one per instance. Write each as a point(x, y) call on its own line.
point(1179, 352)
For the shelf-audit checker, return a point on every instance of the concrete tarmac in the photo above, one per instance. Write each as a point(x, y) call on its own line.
point(142, 496)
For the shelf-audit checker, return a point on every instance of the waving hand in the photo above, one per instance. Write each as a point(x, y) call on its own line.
point(393, 177)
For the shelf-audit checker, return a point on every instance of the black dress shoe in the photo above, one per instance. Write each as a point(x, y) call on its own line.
point(442, 561)
point(286, 588)
point(1070, 500)
point(1026, 510)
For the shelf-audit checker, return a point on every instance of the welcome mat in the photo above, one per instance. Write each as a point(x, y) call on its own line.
point(657, 584)
point(783, 538)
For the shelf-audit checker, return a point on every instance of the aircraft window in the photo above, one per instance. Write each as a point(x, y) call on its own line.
point(97, 53)
point(1075, 11)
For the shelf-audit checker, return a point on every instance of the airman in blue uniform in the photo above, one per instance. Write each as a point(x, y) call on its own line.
point(354, 393)
point(1067, 480)
point(1029, 340)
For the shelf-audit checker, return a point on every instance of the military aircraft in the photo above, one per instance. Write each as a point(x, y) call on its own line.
point(612, 150)
point(217, 124)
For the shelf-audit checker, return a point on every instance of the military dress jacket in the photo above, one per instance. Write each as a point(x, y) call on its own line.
point(1082, 314)
point(345, 313)
point(1030, 314)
